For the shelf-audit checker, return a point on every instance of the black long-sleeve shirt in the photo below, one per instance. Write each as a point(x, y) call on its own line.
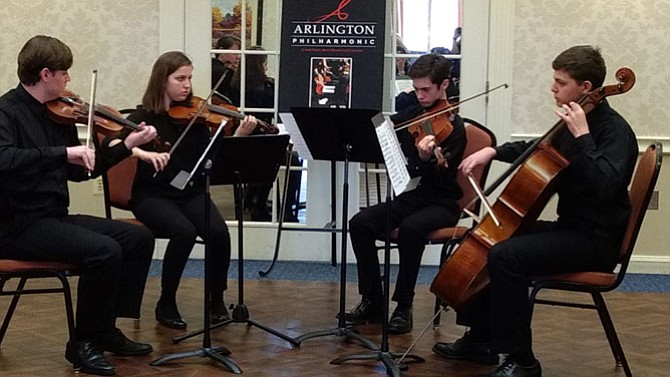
point(592, 190)
point(184, 157)
point(33, 162)
point(436, 181)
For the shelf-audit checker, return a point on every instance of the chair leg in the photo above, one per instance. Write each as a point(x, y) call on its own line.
point(69, 312)
point(610, 332)
point(445, 253)
point(531, 299)
point(436, 309)
point(12, 307)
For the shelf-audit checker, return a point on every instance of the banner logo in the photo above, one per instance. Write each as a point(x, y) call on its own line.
point(333, 30)
point(342, 16)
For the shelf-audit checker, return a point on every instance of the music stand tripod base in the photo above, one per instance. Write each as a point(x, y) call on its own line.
point(215, 353)
point(387, 358)
point(349, 332)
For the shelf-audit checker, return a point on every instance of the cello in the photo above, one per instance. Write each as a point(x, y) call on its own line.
point(534, 177)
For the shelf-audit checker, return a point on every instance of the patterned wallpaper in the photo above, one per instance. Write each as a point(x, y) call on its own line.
point(118, 38)
point(630, 33)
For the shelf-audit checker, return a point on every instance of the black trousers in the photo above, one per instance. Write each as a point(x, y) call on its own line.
point(114, 259)
point(416, 215)
point(181, 221)
point(502, 312)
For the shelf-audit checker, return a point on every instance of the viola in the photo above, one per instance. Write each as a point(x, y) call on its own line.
point(436, 121)
point(536, 173)
point(70, 108)
point(214, 115)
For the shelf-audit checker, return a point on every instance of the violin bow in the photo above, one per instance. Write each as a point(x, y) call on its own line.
point(404, 125)
point(89, 123)
point(199, 112)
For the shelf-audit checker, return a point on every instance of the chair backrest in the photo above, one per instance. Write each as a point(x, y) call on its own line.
point(120, 182)
point(477, 137)
point(641, 189)
point(117, 182)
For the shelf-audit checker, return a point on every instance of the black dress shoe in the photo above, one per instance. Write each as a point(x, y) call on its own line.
point(467, 349)
point(401, 321)
point(120, 345)
point(513, 369)
point(365, 311)
point(219, 313)
point(86, 357)
point(168, 315)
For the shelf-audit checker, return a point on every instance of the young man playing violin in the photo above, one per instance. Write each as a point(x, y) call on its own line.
point(432, 205)
point(37, 158)
point(593, 208)
point(178, 215)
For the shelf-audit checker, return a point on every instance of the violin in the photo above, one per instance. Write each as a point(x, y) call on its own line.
point(214, 115)
point(436, 122)
point(69, 108)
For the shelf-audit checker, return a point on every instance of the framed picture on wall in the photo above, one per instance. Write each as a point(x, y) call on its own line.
point(227, 19)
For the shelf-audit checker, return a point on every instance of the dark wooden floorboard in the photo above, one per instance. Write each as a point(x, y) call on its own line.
point(568, 342)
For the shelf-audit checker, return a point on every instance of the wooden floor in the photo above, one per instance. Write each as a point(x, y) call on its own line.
point(568, 342)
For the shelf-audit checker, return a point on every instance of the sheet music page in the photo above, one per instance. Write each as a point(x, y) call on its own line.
point(299, 144)
point(403, 85)
point(393, 156)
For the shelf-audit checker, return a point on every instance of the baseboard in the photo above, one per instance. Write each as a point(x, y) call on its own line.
point(639, 264)
point(645, 264)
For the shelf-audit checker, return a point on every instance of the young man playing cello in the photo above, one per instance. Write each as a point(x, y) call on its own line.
point(593, 208)
point(37, 158)
point(432, 205)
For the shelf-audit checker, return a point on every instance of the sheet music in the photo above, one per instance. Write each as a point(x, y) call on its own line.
point(296, 137)
point(393, 156)
point(403, 85)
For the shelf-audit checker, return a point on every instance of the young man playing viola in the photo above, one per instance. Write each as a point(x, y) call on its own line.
point(593, 208)
point(37, 158)
point(432, 205)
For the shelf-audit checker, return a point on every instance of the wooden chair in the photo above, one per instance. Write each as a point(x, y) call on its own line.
point(26, 270)
point(595, 283)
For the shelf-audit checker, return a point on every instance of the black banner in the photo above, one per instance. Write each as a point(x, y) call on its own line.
point(332, 54)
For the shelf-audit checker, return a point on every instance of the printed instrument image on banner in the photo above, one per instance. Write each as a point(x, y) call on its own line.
point(331, 82)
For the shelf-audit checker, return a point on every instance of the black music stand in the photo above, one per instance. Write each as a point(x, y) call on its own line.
point(241, 161)
point(383, 354)
point(204, 167)
point(339, 135)
point(238, 161)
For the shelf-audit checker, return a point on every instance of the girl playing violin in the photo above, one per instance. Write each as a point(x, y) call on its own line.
point(432, 205)
point(170, 212)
